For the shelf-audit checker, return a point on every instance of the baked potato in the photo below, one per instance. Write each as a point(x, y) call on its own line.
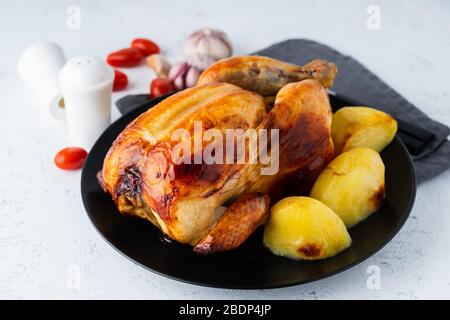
point(304, 228)
point(352, 185)
point(354, 127)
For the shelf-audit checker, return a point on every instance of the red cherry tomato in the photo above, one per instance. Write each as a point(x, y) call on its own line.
point(145, 46)
point(70, 158)
point(128, 57)
point(160, 87)
point(120, 80)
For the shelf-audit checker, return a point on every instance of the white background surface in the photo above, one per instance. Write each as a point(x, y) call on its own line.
point(45, 234)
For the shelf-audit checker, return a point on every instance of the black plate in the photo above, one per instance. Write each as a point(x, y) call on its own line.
point(251, 266)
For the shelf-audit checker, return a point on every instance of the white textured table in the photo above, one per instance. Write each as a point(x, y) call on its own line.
point(48, 248)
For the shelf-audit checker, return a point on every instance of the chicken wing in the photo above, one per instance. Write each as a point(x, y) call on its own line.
point(236, 224)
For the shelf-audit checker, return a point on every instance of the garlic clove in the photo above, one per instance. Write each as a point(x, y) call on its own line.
point(183, 75)
point(179, 69)
point(159, 65)
point(179, 82)
point(192, 76)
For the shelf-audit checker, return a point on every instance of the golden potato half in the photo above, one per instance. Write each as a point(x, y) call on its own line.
point(352, 185)
point(304, 228)
point(354, 127)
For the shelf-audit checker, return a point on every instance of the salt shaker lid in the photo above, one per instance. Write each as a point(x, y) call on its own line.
point(85, 71)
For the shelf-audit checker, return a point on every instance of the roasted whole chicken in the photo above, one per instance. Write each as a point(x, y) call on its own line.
point(216, 206)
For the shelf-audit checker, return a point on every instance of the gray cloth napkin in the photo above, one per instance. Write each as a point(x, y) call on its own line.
point(357, 82)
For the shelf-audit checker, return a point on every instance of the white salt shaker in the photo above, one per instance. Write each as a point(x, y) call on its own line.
point(39, 66)
point(86, 83)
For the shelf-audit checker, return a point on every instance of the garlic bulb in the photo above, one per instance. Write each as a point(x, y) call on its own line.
point(183, 75)
point(200, 61)
point(208, 42)
point(159, 65)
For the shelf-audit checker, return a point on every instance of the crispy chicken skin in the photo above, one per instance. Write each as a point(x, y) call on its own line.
point(181, 199)
point(266, 76)
point(236, 224)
